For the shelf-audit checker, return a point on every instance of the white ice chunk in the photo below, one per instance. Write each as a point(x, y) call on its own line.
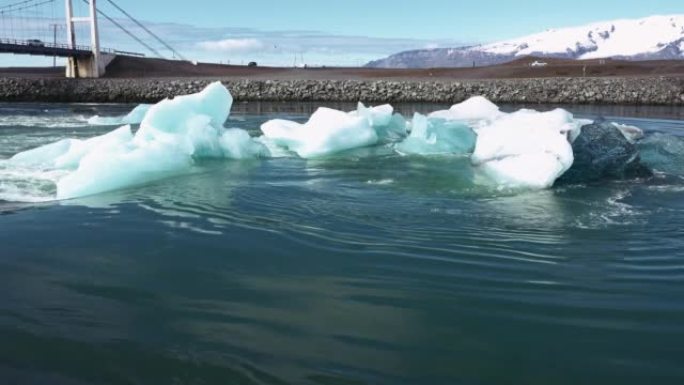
point(123, 166)
point(631, 133)
point(80, 148)
point(433, 136)
point(477, 111)
point(377, 116)
point(173, 115)
point(67, 153)
point(327, 132)
point(526, 148)
point(237, 144)
point(136, 116)
point(389, 127)
point(43, 156)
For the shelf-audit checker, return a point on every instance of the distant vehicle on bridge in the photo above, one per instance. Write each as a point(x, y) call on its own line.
point(252, 64)
point(35, 43)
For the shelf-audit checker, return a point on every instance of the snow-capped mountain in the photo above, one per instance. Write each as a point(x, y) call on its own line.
point(655, 37)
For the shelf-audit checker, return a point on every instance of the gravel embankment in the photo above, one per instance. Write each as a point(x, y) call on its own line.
point(634, 91)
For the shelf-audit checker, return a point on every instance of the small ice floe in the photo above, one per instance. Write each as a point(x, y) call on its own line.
point(330, 131)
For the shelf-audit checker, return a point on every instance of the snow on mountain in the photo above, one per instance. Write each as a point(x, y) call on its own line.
point(655, 37)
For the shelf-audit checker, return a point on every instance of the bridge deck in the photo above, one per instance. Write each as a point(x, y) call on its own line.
point(40, 48)
point(37, 47)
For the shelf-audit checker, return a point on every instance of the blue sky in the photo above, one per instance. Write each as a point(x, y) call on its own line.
point(348, 32)
point(425, 19)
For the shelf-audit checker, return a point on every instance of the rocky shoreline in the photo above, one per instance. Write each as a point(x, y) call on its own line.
point(622, 91)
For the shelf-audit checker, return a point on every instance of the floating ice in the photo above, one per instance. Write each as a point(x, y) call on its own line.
point(136, 116)
point(67, 153)
point(172, 135)
point(526, 148)
point(329, 131)
point(388, 126)
point(376, 116)
point(631, 133)
point(603, 151)
point(663, 153)
point(434, 136)
point(237, 144)
point(476, 110)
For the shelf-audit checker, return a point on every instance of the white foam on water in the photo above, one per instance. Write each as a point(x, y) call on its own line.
point(612, 211)
point(43, 121)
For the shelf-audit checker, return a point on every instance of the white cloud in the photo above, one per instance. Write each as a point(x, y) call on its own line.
point(239, 45)
point(232, 45)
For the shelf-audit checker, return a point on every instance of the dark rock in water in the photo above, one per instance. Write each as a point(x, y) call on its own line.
point(602, 152)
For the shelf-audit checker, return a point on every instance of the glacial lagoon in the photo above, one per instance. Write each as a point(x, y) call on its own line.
point(369, 265)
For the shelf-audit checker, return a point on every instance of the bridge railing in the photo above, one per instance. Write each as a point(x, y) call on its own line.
point(82, 48)
point(39, 44)
point(124, 53)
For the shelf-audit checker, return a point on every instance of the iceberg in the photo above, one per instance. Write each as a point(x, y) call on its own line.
point(134, 117)
point(173, 134)
point(663, 153)
point(525, 149)
point(603, 151)
point(328, 131)
point(437, 136)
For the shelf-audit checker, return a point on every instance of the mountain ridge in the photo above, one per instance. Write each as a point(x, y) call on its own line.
point(650, 38)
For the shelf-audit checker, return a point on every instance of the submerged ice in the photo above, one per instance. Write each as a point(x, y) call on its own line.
point(523, 149)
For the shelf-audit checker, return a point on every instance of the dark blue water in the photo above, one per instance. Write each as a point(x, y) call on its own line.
point(341, 271)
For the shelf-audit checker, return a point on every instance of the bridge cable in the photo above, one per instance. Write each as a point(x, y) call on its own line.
point(10, 8)
point(175, 53)
point(18, 3)
point(121, 27)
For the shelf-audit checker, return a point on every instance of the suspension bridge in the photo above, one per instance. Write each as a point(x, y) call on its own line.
point(57, 28)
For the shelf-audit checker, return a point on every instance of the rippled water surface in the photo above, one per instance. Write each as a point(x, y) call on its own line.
point(350, 270)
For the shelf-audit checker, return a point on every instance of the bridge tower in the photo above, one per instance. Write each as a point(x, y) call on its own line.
point(93, 66)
